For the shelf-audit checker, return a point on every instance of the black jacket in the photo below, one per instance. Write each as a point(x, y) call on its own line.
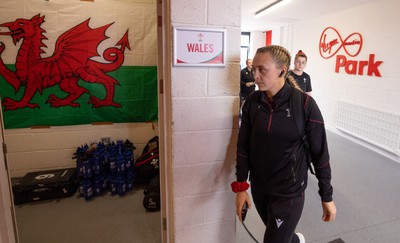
point(304, 80)
point(269, 146)
point(246, 76)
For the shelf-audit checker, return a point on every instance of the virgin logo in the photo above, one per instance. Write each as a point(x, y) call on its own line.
point(331, 42)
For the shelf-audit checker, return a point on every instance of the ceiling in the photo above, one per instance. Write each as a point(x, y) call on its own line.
point(296, 10)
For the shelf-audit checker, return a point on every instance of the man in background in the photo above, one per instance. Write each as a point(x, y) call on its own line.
point(247, 83)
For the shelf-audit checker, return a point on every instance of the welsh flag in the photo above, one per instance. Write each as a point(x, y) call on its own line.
point(81, 69)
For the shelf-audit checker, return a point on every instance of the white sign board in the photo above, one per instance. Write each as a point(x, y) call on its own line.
point(199, 47)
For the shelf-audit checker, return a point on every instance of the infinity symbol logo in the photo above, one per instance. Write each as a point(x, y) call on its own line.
point(331, 42)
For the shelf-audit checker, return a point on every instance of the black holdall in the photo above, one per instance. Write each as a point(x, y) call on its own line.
point(147, 165)
point(42, 185)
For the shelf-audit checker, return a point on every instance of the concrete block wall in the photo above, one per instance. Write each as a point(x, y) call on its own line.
point(52, 148)
point(205, 105)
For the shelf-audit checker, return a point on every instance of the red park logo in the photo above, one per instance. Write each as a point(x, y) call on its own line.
point(331, 43)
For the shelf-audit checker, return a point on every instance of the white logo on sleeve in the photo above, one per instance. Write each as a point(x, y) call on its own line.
point(279, 222)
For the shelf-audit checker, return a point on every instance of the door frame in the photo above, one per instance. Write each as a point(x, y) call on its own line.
point(8, 222)
point(164, 39)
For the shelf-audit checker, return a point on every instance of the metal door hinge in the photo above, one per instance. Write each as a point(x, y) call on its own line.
point(161, 85)
point(159, 21)
point(5, 156)
point(164, 224)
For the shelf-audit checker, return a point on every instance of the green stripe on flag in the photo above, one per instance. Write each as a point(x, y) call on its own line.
point(137, 94)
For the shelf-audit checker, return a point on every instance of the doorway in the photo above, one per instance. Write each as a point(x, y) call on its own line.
point(8, 227)
point(244, 48)
point(112, 130)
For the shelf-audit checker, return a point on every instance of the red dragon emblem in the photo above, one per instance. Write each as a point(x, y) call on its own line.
point(70, 62)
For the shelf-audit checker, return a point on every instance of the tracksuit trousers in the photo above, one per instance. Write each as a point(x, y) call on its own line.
point(280, 216)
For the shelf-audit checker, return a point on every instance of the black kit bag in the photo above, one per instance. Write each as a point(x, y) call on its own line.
point(147, 165)
point(42, 185)
point(151, 200)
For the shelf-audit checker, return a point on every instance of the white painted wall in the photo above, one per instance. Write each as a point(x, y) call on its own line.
point(52, 148)
point(205, 109)
point(378, 23)
point(257, 40)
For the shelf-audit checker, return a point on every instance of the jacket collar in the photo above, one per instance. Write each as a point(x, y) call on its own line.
point(282, 96)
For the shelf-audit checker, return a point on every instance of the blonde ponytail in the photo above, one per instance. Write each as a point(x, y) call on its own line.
point(293, 82)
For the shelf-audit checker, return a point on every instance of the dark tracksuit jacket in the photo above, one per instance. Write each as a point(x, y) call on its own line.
point(265, 146)
point(246, 76)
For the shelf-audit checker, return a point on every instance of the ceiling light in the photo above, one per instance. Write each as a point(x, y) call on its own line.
point(275, 5)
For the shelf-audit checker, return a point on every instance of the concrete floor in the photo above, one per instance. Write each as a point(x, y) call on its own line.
point(103, 219)
point(366, 193)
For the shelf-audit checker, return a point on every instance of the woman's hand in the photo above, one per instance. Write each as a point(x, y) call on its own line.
point(328, 211)
point(241, 198)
